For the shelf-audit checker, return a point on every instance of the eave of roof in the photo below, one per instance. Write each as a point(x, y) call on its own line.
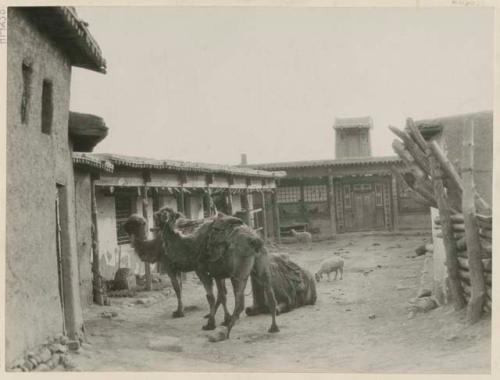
point(431, 127)
point(353, 122)
point(183, 166)
point(92, 162)
point(357, 161)
point(69, 32)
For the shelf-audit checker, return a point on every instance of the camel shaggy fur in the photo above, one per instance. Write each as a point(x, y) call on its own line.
point(293, 287)
point(222, 248)
point(153, 251)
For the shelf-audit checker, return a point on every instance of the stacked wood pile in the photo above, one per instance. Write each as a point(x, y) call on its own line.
point(464, 217)
point(485, 240)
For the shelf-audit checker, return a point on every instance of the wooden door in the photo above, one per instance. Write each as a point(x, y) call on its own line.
point(364, 210)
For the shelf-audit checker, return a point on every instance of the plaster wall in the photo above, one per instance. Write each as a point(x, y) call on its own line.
point(36, 163)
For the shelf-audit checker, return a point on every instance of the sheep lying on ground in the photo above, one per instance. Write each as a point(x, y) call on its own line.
point(333, 264)
point(303, 237)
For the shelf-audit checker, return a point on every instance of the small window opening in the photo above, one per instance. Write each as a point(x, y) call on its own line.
point(27, 71)
point(47, 107)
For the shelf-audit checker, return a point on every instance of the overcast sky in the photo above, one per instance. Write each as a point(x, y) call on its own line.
point(206, 84)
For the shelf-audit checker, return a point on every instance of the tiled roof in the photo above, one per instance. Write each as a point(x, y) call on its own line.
point(90, 161)
point(353, 122)
point(66, 29)
point(185, 166)
point(327, 163)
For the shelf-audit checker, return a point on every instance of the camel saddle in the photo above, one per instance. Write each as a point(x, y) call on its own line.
point(218, 236)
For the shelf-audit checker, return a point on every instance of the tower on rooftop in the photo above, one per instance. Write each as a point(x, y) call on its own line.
point(352, 137)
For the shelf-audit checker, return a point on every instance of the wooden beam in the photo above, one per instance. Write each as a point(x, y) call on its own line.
point(330, 192)
point(448, 238)
point(413, 148)
point(147, 267)
point(264, 215)
point(478, 287)
point(395, 203)
point(453, 175)
point(245, 204)
point(276, 215)
point(97, 285)
point(229, 202)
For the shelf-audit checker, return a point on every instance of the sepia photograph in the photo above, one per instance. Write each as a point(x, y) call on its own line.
point(249, 188)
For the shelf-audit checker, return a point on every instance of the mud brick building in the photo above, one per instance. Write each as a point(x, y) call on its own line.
point(42, 288)
point(353, 192)
point(124, 185)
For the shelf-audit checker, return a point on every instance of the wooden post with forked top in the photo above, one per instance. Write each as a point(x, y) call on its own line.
point(477, 281)
point(147, 266)
point(447, 231)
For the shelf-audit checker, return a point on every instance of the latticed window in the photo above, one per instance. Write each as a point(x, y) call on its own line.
point(347, 196)
point(314, 193)
point(123, 209)
point(288, 194)
point(379, 200)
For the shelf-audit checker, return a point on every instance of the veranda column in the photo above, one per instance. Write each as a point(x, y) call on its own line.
point(264, 214)
point(245, 204)
point(276, 215)
point(331, 205)
point(147, 267)
point(395, 203)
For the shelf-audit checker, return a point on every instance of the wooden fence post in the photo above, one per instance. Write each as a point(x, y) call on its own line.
point(147, 267)
point(448, 238)
point(478, 288)
point(96, 275)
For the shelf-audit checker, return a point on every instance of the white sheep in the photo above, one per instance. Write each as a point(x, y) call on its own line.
point(303, 237)
point(333, 264)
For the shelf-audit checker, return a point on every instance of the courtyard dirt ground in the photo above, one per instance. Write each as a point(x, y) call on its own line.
point(359, 324)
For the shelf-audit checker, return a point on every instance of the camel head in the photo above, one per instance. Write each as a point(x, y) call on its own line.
point(135, 226)
point(166, 216)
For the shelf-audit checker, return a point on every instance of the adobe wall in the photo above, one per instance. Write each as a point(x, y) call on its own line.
point(83, 207)
point(35, 163)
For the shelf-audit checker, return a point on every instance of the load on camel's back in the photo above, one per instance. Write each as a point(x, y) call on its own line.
point(223, 247)
point(293, 286)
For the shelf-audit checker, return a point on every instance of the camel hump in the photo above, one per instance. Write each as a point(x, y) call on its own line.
point(223, 222)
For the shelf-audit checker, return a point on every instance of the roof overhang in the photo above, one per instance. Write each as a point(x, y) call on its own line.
point(70, 33)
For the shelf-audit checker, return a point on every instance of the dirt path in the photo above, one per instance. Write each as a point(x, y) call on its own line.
point(335, 335)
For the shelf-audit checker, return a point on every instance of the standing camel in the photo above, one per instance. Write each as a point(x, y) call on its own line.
point(224, 248)
point(153, 251)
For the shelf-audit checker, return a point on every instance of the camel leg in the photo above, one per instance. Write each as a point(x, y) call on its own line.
point(239, 282)
point(262, 272)
point(258, 306)
point(239, 301)
point(208, 284)
point(222, 299)
point(341, 272)
point(329, 278)
point(272, 308)
point(177, 285)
